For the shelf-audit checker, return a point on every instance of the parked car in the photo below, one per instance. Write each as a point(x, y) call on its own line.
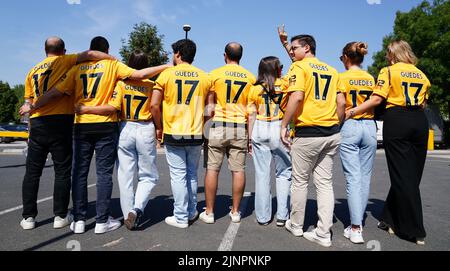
point(20, 132)
point(4, 139)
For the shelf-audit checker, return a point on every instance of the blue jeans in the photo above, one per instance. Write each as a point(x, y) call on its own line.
point(136, 150)
point(266, 144)
point(183, 164)
point(105, 146)
point(357, 151)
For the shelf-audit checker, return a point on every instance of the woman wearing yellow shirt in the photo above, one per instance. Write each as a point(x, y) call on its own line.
point(405, 135)
point(359, 137)
point(266, 103)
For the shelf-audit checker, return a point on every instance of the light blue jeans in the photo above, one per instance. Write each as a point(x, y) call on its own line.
point(357, 151)
point(136, 151)
point(183, 164)
point(266, 144)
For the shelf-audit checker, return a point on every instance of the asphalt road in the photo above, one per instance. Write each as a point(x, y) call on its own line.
point(155, 235)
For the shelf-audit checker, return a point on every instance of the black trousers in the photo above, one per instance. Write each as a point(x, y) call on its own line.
point(405, 137)
point(48, 134)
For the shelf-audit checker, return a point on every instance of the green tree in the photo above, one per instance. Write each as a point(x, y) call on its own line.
point(427, 29)
point(8, 101)
point(145, 38)
point(19, 91)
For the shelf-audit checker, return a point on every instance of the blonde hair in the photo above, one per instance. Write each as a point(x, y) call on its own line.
point(355, 51)
point(400, 51)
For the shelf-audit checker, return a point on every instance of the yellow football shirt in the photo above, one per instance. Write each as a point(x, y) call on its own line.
point(184, 89)
point(132, 98)
point(44, 76)
point(92, 84)
point(231, 83)
point(319, 82)
point(358, 86)
point(269, 107)
point(402, 85)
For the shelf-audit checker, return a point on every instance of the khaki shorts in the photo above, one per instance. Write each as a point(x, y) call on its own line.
point(232, 141)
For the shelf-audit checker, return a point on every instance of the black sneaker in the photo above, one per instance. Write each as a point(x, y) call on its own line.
point(263, 223)
point(281, 222)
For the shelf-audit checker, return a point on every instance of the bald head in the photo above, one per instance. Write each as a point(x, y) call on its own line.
point(55, 46)
point(233, 50)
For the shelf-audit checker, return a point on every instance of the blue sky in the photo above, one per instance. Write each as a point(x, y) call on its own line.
point(26, 24)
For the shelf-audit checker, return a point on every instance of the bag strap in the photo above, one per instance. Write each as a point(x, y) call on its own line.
point(270, 97)
point(389, 75)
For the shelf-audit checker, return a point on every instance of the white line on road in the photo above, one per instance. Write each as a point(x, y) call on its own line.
point(113, 243)
point(39, 201)
point(228, 239)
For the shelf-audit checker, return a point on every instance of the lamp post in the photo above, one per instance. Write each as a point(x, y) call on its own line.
point(186, 28)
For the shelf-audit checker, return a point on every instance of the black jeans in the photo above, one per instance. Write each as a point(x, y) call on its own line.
point(405, 137)
point(105, 146)
point(48, 134)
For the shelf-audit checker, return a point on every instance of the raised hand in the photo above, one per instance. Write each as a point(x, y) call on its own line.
point(282, 34)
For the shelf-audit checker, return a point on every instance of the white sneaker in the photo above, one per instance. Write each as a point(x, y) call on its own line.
point(172, 221)
point(59, 222)
point(78, 227)
point(356, 236)
point(347, 232)
point(420, 241)
point(28, 224)
point(296, 231)
point(235, 217)
point(313, 237)
point(110, 225)
point(207, 218)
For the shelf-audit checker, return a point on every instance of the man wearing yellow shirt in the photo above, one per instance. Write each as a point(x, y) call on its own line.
point(50, 131)
point(317, 107)
point(92, 84)
point(228, 134)
point(182, 91)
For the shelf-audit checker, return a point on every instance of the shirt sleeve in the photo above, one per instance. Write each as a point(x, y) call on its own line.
point(341, 85)
point(252, 79)
point(123, 71)
point(296, 77)
point(251, 102)
point(70, 60)
point(212, 79)
point(382, 86)
point(208, 84)
point(117, 97)
point(67, 82)
point(251, 96)
point(29, 92)
point(160, 83)
point(427, 87)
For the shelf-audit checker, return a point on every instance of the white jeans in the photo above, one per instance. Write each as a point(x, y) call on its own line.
point(136, 151)
point(267, 145)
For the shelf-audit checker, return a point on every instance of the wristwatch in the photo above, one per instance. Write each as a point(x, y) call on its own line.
point(352, 112)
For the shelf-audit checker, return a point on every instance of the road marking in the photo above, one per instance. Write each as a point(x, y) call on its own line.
point(113, 243)
point(230, 234)
point(39, 201)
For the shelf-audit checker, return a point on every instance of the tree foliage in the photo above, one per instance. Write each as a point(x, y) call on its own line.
point(145, 38)
point(427, 29)
point(8, 101)
point(19, 91)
